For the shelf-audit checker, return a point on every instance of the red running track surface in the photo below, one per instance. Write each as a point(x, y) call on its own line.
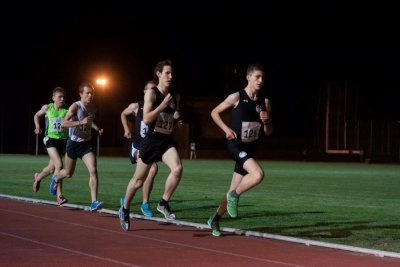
point(44, 235)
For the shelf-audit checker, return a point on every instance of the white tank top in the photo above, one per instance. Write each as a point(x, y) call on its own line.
point(82, 133)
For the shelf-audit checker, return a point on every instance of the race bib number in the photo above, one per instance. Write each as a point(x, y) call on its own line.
point(84, 131)
point(250, 131)
point(144, 128)
point(165, 123)
point(56, 125)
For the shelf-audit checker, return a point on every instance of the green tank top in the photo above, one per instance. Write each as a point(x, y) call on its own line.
point(54, 119)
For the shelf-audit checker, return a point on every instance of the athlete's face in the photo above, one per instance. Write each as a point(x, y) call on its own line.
point(87, 95)
point(166, 76)
point(256, 79)
point(58, 99)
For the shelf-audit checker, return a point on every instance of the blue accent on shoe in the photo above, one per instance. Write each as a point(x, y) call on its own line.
point(123, 215)
point(96, 205)
point(146, 210)
point(53, 185)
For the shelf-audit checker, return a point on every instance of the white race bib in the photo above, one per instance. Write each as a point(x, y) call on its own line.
point(144, 128)
point(55, 124)
point(250, 131)
point(165, 123)
point(83, 131)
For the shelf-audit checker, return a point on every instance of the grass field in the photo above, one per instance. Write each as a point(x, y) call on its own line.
point(346, 203)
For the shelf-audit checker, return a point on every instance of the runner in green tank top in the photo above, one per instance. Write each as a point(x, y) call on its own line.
point(55, 138)
point(54, 117)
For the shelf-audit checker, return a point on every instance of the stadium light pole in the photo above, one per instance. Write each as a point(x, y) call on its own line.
point(101, 82)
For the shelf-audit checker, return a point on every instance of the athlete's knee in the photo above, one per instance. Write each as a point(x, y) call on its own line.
point(92, 172)
point(177, 170)
point(258, 176)
point(153, 169)
point(138, 183)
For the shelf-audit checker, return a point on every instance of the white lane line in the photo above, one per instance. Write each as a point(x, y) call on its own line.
point(155, 239)
point(307, 242)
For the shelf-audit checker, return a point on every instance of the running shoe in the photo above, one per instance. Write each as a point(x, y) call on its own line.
point(232, 205)
point(53, 185)
point(96, 205)
point(146, 210)
point(123, 215)
point(61, 200)
point(166, 210)
point(36, 184)
point(214, 227)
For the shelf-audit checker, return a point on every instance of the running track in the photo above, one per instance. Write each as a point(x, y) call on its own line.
point(45, 235)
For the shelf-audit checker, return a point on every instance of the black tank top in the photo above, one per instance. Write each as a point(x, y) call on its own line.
point(164, 123)
point(141, 129)
point(246, 120)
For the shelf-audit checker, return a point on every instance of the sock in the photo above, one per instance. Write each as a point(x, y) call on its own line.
point(216, 217)
point(234, 194)
point(163, 202)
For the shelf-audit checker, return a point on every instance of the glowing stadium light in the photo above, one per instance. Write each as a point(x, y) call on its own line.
point(101, 81)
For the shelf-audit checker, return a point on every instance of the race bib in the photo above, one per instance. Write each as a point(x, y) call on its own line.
point(165, 123)
point(250, 131)
point(83, 131)
point(144, 128)
point(56, 125)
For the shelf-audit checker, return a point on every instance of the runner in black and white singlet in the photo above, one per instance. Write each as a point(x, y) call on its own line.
point(141, 130)
point(246, 123)
point(79, 120)
point(250, 120)
point(159, 113)
point(159, 140)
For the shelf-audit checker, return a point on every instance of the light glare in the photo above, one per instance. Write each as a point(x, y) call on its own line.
point(101, 81)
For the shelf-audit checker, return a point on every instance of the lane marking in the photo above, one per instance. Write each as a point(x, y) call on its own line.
point(129, 234)
point(307, 242)
point(69, 250)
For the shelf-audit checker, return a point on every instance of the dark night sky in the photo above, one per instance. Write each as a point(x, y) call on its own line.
point(301, 45)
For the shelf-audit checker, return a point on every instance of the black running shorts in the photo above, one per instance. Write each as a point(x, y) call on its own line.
point(241, 152)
